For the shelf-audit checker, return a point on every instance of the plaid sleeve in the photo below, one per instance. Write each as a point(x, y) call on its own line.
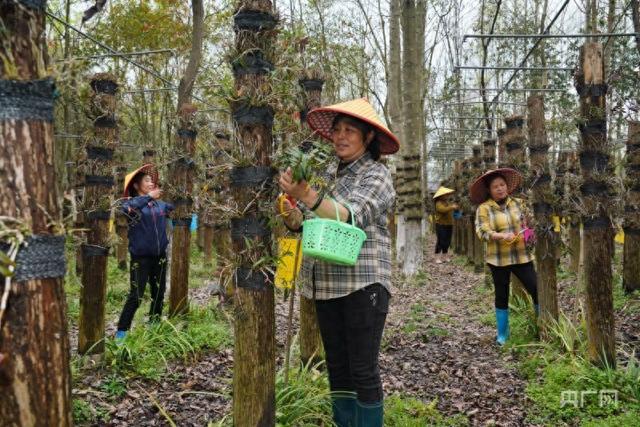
point(483, 224)
point(372, 196)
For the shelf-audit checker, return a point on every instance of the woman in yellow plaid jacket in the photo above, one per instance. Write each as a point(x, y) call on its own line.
point(500, 222)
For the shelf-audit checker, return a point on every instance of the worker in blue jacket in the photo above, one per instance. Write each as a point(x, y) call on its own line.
point(147, 243)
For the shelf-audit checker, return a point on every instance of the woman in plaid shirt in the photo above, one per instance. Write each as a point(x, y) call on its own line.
point(351, 302)
point(500, 222)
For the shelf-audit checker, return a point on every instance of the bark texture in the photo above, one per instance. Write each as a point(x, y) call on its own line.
point(180, 193)
point(310, 340)
point(35, 379)
point(596, 194)
point(254, 349)
point(631, 269)
point(98, 192)
point(542, 200)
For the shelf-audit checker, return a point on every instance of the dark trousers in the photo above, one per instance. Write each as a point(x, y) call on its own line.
point(351, 329)
point(152, 269)
point(502, 275)
point(443, 235)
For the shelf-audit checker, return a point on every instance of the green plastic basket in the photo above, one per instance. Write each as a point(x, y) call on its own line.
point(331, 240)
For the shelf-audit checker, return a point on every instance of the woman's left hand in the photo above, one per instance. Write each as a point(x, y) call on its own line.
point(297, 190)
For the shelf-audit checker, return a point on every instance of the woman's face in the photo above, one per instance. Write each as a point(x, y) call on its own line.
point(348, 141)
point(498, 189)
point(145, 185)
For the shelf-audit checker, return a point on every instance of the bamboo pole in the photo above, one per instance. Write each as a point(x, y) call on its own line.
point(35, 379)
point(596, 192)
point(97, 212)
point(180, 193)
point(631, 267)
point(478, 245)
point(255, 346)
point(543, 200)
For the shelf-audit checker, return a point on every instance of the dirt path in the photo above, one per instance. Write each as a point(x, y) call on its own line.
point(436, 347)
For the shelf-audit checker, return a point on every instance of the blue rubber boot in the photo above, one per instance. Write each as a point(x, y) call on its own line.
point(121, 335)
point(369, 414)
point(502, 322)
point(344, 410)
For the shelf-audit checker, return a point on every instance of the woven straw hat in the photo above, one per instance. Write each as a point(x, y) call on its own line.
point(321, 120)
point(478, 192)
point(443, 191)
point(148, 169)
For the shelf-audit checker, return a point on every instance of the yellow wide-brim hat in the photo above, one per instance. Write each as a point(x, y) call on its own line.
point(321, 120)
point(443, 191)
point(148, 169)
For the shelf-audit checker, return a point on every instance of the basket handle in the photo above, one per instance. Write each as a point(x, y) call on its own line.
point(338, 214)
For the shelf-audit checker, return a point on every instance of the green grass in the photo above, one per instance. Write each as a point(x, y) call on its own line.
point(417, 314)
point(557, 371)
point(147, 350)
point(86, 414)
point(306, 401)
point(404, 411)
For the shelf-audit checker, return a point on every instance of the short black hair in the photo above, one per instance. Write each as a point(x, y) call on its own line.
point(374, 146)
point(488, 180)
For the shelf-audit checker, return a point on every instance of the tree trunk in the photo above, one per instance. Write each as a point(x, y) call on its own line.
point(122, 228)
point(478, 245)
point(410, 194)
point(489, 162)
point(513, 141)
point(596, 194)
point(635, 15)
point(543, 210)
point(180, 193)
point(255, 346)
point(207, 244)
point(97, 213)
point(182, 172)
point(560, 208)
point(310, 340)
point(217, 208)
point(35, 379)
point(200, 230)
point(631, 268)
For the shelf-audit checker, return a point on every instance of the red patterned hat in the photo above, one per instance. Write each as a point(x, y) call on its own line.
point(478, 192)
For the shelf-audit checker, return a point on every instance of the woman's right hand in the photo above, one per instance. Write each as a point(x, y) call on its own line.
point(504, 236)
point(156, 193)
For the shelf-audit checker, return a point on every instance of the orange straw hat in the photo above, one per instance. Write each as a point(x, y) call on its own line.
point(321, 120)
point(147, 169)
point(478, 191)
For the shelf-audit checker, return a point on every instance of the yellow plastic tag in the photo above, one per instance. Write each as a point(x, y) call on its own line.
point(289, 253)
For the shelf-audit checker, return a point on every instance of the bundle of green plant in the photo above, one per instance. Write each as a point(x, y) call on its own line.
point(305, 165)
